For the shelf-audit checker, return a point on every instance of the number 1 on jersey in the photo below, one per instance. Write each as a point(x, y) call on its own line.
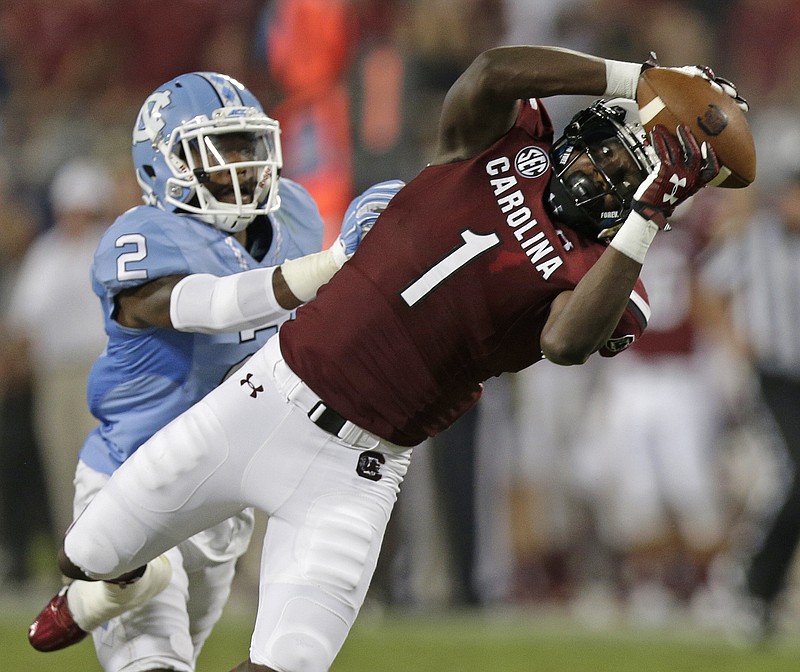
point(474, 244)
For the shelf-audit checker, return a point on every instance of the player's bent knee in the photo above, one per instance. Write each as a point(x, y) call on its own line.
point(306, 638)
point(105, 540)
point(69, 568)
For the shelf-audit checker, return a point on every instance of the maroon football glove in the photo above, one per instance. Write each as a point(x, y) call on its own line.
point(684, 167)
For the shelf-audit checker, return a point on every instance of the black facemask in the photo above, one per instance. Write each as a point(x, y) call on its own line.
point(592, 203)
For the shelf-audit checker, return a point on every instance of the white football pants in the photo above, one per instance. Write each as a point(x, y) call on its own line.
point(250, 442)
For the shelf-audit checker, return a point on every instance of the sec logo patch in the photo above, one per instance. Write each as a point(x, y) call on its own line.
point(532, 162)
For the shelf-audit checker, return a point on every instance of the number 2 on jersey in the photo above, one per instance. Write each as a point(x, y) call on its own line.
point(137, 254)
point(474, 244)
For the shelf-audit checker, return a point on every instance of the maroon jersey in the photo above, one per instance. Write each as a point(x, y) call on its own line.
point(452, 286)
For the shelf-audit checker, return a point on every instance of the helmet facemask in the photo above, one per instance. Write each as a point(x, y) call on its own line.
point(203, 146)
point(230, 164)
point(597, 166)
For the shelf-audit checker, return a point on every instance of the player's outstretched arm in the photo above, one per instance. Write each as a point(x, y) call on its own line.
point(482, 105)
point(206, 303)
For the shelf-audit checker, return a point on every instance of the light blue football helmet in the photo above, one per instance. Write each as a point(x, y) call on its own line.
point(178, 150)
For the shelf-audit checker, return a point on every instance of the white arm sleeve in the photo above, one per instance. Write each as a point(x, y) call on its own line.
point(211, 305)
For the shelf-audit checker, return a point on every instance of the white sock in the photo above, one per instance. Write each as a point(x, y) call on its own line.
point(92, 603)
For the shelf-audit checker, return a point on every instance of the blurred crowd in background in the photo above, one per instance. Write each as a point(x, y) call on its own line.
point(661, 482)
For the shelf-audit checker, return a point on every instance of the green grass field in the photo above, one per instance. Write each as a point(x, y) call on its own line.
point(458, 642)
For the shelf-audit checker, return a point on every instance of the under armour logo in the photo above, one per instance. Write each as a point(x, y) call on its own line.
point(369, 465)
point(253, 389)
point(676, 183)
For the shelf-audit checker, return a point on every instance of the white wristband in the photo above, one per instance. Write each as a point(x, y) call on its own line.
point(622, 79)
point(304, 276)
point(634, 237)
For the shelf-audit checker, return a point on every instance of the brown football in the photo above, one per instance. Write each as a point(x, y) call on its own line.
point(669, 97)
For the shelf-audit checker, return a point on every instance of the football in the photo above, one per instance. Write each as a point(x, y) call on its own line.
point(671, 97)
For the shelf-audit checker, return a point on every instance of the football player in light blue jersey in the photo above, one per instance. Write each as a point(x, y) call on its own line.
point(149, 374)
point(191, 284)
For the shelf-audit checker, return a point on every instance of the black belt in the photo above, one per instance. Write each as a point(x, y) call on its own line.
point(326, 418)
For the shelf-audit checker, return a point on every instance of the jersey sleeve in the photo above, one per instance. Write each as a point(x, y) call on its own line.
point(138, 247)
point(632, 324)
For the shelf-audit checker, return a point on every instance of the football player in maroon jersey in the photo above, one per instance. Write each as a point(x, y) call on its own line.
point(495, 256)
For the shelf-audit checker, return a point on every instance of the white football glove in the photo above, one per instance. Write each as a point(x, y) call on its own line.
point(719, 83)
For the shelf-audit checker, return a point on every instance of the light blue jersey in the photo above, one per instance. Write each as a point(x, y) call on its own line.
point(147, 377)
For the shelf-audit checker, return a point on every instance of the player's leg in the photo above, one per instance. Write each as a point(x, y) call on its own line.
point(169, 630)
point(163, 631)
point(154, 636)
point(771, 565)
point(209, 559)
point(329, 503)
point(209, 589)
point(184, 479)
point(632, 524)
point(320, 551)
point(82, 606)
point(689, 466)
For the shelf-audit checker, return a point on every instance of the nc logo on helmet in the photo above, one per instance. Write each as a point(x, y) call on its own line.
point(150, 123)
point(532, 162)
